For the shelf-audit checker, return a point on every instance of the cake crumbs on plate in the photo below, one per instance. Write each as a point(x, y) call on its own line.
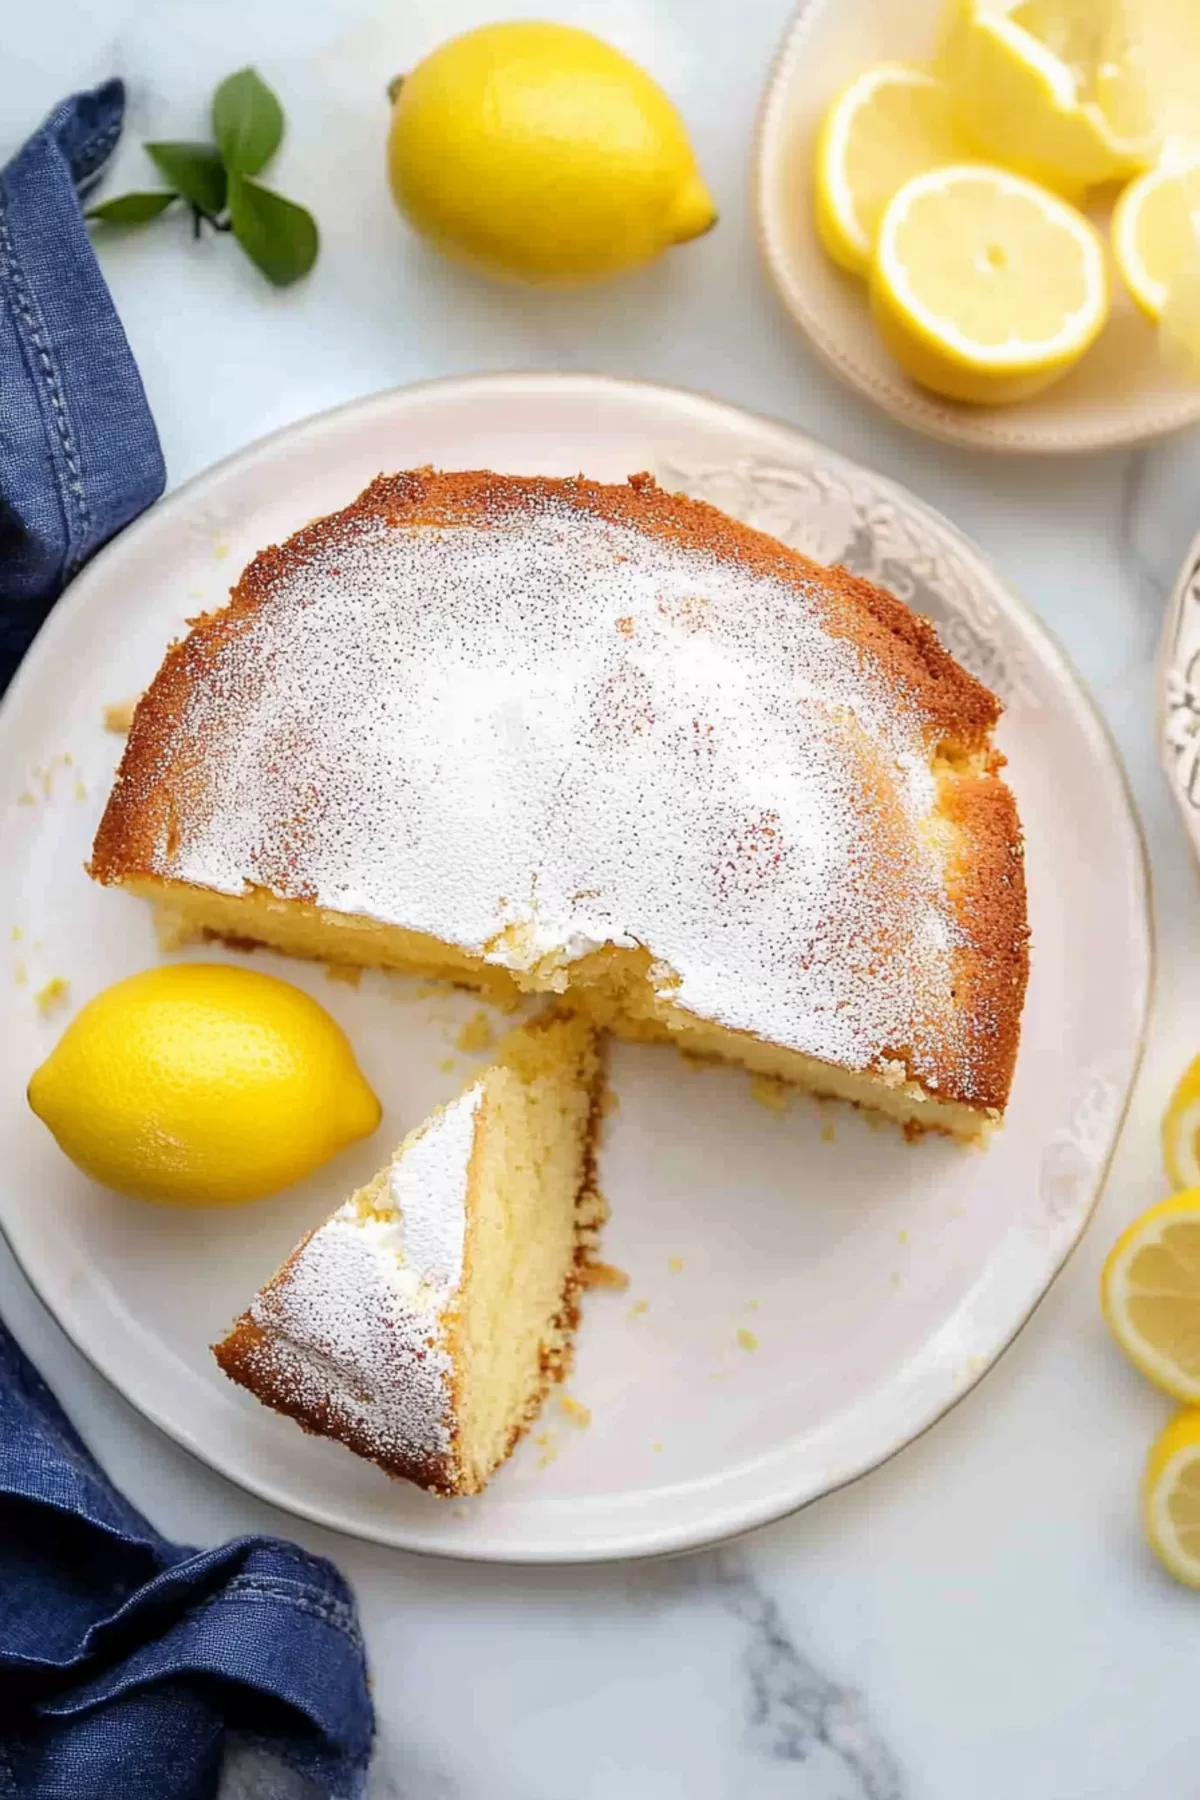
point(344, 972)
point(769, 1092)
point(579, 1415)
point(118, 717)
point(675, 1264)
point(25, 798)
point(897, 1278)
point(476, 1034)
point(746, 1339)
point(547, 1443)
point(638, 1308)
point(446, 1065)
point(603, 1275)
point(16, 934)
point(903, 1237)
point(49, 998)
point(656, 1446)
point(20, 973)
point(827, 1134)
point(752, 1305)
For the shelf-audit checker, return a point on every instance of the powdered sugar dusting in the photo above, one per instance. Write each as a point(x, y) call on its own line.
point(549, 731)
point(358, 1319)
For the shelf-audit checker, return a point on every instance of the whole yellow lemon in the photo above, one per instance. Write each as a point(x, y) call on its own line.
point(199, 1084)
point(538, 152)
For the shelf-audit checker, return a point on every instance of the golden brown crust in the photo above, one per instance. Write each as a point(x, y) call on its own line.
point(155, 787)
point(246, 1354)
point(986, 888)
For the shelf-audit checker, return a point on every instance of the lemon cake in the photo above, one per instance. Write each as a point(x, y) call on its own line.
point(423, 1322)
point(532, 734)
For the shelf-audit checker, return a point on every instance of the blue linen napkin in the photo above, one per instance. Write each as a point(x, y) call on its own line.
point(129, 1666)
point(79, 455)
point(133, 1666)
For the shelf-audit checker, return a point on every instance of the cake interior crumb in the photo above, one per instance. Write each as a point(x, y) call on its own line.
point(769, 1092)
point(603, 1275)
point(476, 1034)
point(343, 972)
point(49, 998)
point(118, 717)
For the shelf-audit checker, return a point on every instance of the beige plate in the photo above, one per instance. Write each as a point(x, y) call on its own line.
point(1119, 394)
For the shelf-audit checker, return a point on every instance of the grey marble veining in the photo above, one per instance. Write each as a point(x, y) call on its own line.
point(796, 1713)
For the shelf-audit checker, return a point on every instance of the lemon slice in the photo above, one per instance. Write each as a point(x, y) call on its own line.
point(986, 287)
point(1181, 1130)
point(1020, 103)
point(1155, 229)
point(891, 123)
point(1171, 1497)
point(1150, 1293)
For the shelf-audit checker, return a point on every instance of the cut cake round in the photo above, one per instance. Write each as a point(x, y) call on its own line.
point(604, 741)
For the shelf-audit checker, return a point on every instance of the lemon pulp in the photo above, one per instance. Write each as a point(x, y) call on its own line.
point(891, 123)
point(986, 287)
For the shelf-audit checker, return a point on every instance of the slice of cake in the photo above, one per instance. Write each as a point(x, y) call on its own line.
point(424, 1321)
point(604, 741)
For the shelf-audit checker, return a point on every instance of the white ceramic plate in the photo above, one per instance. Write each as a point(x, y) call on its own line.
point(1120, 393)
point(872, 1280)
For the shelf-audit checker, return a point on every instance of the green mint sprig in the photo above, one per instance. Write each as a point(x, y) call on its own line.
point(216, 182)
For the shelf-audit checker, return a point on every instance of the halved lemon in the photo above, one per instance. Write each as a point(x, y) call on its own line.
point(1171, 1497)
point(1020, 103)
point(891, 123)
point(1155, 231)
point(986, 287)
point(1150, 1293)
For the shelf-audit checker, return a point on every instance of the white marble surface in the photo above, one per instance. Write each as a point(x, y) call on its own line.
point(979, 1619)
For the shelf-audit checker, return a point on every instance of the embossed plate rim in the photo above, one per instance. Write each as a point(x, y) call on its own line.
point(1178, 693)
point(1066, 1167)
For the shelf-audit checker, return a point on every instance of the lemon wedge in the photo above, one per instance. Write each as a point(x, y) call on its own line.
point(1155, 231)
point(1181, 1130)
point(892, 122)
point(1171, 1497)
point(986, 287)
point(1150, 1293)
point(199, 1084)
point(1021, 104)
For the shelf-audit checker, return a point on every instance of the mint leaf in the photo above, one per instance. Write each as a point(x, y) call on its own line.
point(247, 122)
point(130, 209)
point(280, 237)
point(195, 171)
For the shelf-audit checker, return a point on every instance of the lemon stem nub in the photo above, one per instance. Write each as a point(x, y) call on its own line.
point(394, 86)
point(692, 212)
